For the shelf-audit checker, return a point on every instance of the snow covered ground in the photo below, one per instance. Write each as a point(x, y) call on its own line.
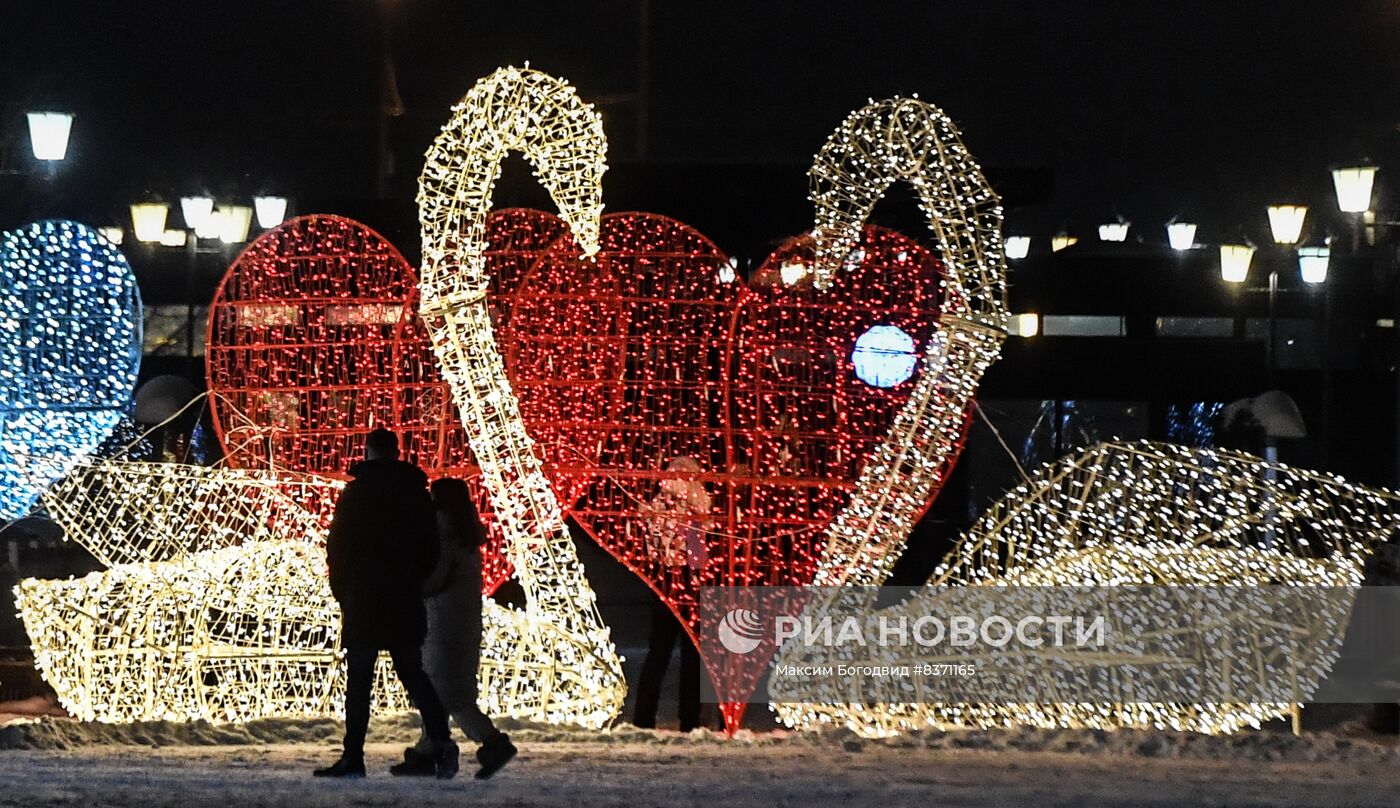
point(59, 762)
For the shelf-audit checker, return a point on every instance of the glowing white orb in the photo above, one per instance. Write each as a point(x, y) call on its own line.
point(884, 356)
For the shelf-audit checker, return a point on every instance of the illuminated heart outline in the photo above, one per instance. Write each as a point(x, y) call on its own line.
point(595, 363)
point(542, 117)
point(301, 365)
point(403, 371)
point(299, 351)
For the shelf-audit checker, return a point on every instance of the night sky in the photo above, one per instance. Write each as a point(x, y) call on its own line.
point(1206, 110)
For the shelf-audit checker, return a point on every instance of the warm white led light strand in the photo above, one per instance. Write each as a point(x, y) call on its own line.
point(217, 606)
point(909, 140)
point(577, 674)
point(1146, 514)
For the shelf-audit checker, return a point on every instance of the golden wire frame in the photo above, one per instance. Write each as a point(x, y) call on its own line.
point(233, 634)
point(909, 140)
point(216, 606)
point(1146, 514)
point(130, 512)
point(560, 634)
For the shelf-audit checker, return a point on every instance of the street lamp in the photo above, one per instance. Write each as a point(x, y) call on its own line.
point(1312, 263)
point(1113, 231)
point(1234, 268)
point(1061, 241)
point(1018, 247)
point(234, 223)
point(1353, 186)
point(112, 234)
point(1286, 223)
point(48, 134)
point(228, 224)
point(1234, 262)
point(271, 210)
point(196, 209)
point(204, 220)
point(1181, 235)
point(148, 221)
point(212, 226)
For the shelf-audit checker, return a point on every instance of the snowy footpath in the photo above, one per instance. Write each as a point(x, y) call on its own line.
point(59, 762)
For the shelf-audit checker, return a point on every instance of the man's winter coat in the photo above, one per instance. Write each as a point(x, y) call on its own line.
point(383, 544)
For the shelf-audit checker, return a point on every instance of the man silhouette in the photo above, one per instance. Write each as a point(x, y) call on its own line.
point(383, 544)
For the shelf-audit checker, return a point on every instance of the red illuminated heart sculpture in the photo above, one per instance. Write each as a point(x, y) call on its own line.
point(707, 431)
point(313, 341)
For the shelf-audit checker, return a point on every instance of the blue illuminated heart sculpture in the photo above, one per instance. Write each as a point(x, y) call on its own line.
point(70, 347)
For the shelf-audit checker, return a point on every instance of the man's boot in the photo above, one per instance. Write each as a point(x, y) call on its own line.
point(348, 767)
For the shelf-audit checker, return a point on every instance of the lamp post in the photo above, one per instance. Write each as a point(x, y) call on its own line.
point(203, 220)
point(234, 221)
point(1235, 260)
point(1286, 223)
point(1355, 187)
point(1234, 268)
point(1286, 226)
point(1312, 263)
point(198, 211)
point(1114, 231)
point(148, 221)
point(1181, 235)
point(271, 210)
point(48, 135)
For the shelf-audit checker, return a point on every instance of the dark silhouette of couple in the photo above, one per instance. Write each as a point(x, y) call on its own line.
point(405, 567)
